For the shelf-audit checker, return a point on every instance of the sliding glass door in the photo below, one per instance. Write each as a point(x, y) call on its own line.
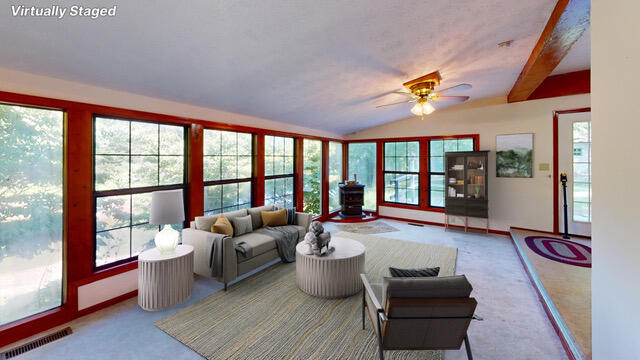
point(31, 205)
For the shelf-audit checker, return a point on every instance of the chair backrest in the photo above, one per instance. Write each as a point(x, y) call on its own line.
point(426, 313)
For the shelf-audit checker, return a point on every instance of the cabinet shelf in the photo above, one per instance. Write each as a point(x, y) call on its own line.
point(460, 198)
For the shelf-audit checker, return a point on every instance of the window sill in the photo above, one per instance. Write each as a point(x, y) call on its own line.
point(109, 270)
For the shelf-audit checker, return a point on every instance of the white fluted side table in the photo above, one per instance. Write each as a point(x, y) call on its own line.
point(165, 280)
point(334, 275)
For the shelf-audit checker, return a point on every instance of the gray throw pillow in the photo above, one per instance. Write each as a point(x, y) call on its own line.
point(395, 272)
point(242, 225)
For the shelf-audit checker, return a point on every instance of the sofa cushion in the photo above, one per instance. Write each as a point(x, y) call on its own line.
point(205, 222)
point(426, 287)
point(260, 243)
point(222, 226)
point(256, 218)
point(242, 225)
point(274, 218)
point(234, 214)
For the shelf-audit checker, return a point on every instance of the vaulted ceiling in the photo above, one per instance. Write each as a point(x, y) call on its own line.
point(320, 64)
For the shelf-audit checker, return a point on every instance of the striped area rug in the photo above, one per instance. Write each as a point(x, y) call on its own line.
point(267, 317)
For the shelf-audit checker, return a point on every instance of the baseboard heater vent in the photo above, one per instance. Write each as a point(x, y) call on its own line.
point(414, 224)
point(35, 344)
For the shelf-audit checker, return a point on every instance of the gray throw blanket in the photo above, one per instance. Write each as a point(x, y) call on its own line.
point(214, 253)
point(286, 240)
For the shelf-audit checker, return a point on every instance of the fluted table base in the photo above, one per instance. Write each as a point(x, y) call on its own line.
point(332, 276)
point(165, 280)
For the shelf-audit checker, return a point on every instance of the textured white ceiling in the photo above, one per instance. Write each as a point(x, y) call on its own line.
point(321, 64)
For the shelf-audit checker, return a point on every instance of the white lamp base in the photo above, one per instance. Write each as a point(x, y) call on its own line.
point(167, 240)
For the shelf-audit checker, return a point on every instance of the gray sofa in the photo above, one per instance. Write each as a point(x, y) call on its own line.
point(233, 263)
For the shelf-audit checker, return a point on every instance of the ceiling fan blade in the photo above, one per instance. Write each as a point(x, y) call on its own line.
point(451, 98)
point(398, 103)
point(457, 87)
point(404, 93)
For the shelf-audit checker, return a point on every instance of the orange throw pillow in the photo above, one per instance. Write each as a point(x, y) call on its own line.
point(274, 218)
point(222, 226)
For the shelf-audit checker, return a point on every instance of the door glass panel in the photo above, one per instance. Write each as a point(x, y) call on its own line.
point(581, 171)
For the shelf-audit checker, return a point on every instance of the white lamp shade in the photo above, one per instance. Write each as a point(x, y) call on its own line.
point(167, 207)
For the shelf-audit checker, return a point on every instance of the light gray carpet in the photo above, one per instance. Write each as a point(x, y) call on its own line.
point(267, 317)
point(372, 227)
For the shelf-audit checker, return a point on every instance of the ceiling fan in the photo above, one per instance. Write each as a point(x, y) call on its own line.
point(422, 93)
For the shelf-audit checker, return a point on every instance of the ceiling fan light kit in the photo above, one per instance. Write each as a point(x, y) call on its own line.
point(422, 92)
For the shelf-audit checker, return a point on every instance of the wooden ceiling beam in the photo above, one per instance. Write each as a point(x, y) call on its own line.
point(573, 83)
point(569, 19)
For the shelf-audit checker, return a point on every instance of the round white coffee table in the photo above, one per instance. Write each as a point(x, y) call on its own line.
point(333, 275)
point(165, 280)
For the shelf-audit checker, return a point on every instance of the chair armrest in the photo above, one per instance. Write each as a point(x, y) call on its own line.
point(370, 294)
point(304, 220)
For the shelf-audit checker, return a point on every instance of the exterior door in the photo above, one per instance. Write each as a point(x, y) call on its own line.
point(574, 159)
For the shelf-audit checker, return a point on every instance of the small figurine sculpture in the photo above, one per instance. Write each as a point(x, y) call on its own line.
point(318, 240)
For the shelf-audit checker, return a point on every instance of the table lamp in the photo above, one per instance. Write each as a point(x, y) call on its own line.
point(167, 207)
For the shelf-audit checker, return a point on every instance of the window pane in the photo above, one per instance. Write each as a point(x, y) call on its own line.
point(142, 238)
point(144, 171)
point(171, 170)
point(401, 164)
point(278, 158)
point(581, 212)
point(211, 142)
point(245, 144)
point(31, 211)
point(465, 145)
point(436, 148)
point(229, 143)
point(144, 138)
point(279, 191)
point(437, 198)
point(140, 205)
point(244, 167)
point(111, 172)
point(389, 163)
point(581, 192)
point(436, 163)
point(268, 145)
point(414, 164)
point(581, 131)
point(390, 149)
point(244, 193)
point(112, 212)
point(450, 145)
point(211, 168)
point(312, 176)
point(362, 161)
point(171, 140)
point(335, 174)
point(111, 136)
point(212, 197)
point(413, 148)
point(228, 167)
point(581, 173)
point(581, 152)
point(112, 245)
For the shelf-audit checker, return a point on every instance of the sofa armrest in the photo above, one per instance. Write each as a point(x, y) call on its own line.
point(202, 242)
point(192, 224)
point(304, 220)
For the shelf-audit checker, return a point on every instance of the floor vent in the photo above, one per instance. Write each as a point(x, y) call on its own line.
point(414, 224)
point(35, 343)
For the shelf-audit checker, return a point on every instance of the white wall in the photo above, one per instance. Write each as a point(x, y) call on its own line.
point(29, 84)
point(615, 82)
point(108, 288)
point(512, 202)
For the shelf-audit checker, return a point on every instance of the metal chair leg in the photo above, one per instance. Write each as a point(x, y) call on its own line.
point(467, 347)
point(225, 286)
point(380, 350)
